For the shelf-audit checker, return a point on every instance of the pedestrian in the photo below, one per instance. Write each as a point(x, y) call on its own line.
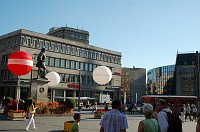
point(21, 104)
point(194, 112)
point(188, 112)
point(106, 107)
point(75, 125)
point(183, 110)
point(80, 105)
point(30, 112)
point(148, 124)
point(114, 120)
point(130, 109)
point(87, 104)
point(2, 101)
point(94, 107)
point(162, 115)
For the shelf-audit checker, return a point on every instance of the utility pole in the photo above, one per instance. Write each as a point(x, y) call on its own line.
point(79, 89)
point(197, 81)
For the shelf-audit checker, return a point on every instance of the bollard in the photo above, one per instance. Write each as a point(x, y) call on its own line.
point(68, 126)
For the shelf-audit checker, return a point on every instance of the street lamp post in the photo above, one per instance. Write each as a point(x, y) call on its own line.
point(79, 89)
point(197, 80)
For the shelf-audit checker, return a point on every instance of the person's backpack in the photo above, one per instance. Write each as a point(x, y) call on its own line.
point(175, 123)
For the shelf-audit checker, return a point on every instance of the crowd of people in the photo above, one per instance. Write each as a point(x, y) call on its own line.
point(157, 119)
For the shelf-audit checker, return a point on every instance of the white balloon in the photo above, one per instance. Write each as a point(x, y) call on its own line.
point(102, 75)
point(53, 77)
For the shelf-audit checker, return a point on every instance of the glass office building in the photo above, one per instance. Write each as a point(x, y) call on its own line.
point(160, 80)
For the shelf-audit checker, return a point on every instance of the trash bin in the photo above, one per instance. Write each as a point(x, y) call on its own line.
point(68, 126)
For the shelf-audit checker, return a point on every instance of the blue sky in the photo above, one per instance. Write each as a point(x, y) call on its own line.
point(148, 33)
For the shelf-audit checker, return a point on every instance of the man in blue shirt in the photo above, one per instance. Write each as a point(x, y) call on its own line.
point(114, 120)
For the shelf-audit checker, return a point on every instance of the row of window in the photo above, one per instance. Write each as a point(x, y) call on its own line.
point(70, 50)
point(70, 64)
point(64, 77)
point(63, 63)
point(72, 35)
point(71, 78)
point(186, 88)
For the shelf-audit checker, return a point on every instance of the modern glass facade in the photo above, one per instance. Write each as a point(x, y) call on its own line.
point(160, 80)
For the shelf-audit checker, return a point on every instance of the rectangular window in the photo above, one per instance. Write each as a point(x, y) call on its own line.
point(86, 66)
point(41, 44)
point(94, 66)
point(47, 45)
point(91, 54)
point(68, 64)
point(58, 48)
point(95, 55)
point(78, 52)
point(87, 54)
point(72, 78)
point(57, 62)
point(67, 79)
point(108, 58)
point(62, 77)
point(72, 65)
point(82, 66)
point(69, 50)
point(64, 49)
point(51, 61)
point(47, 61)
point(82, 52)
point(90, 67)
point(77, 65)
point(73, 51)
point(53, 46)
point(59, 93)
point(62, 63)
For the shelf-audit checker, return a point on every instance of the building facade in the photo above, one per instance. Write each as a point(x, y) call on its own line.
point(187, 74)
point(68, 53)
point(160, 80)
point(133, 84)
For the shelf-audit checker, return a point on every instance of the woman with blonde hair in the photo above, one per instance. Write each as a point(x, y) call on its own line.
point(148, 124)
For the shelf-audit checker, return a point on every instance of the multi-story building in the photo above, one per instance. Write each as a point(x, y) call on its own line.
point(187, 74)
point(160, 80)
point(68, 53)
point(133, 83)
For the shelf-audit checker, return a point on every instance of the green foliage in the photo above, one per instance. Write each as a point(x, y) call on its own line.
point(70, 103)
point(7, 100)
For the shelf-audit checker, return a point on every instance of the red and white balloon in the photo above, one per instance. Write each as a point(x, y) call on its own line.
point(102, 75)
point(20, 63)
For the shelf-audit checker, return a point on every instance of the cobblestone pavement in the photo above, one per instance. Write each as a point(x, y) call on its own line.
point(88, 123)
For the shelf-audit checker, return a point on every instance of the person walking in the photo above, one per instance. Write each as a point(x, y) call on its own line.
point(31, 111)
point(188, 112)
point(194, 112)
point(148, 124)
point(162, 115)
point(94, 107)
point(114, 120)
point(183, 110)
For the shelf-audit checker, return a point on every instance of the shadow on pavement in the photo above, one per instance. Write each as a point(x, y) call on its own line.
point(13, 130)
point(56, 131)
